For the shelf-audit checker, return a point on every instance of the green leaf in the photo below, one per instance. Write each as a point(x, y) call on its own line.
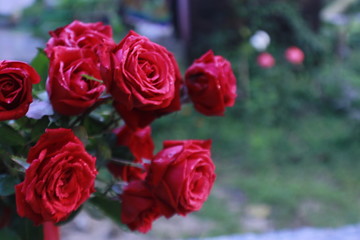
point(39, 127)
point(26, 229)
point(110, 208)
point(21, 162)
point(103, 153)
point(41, 64)
point(7, 185)
point(91, 78)
point(122, 152)
point(104, 175)
point(10, 137)
point(93, 125)
point(81, 133)
point(8, 234)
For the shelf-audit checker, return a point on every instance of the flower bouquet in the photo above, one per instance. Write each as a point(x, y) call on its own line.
point(75, 131)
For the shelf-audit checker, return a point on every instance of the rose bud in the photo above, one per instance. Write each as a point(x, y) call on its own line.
point(70, 89)
point(143, 78)
point(294, 55)
point(80, 35)
point(265, 60)
point(181, 176)
point(16, 80)
point(139, 208)
point(141, 146)
point(211, 84)
point(59, 179)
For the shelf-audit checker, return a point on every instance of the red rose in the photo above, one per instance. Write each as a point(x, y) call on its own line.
point(141, 145)
point(70, 92)
point(294, 55)
point(211, 84)
point(139, 208)
point(16, 79)
point(143, 78)
point(80, 35)
point(139, 141)
point(265, 60)
point(60, 177)
point(181, 176)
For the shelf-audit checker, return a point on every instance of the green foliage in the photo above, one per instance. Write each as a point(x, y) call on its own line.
point(9, 136)
point(7, 184)
point(41, 65)
point(39, 128)
point(276, 17)
point(65, 11)
point(283, 20)
point(25, 229)
point(8, 234)
point(109, 207)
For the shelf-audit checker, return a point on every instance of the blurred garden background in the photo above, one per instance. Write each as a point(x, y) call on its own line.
point(288, 152)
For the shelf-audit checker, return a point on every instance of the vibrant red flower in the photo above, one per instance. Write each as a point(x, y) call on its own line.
point(70, 91)
point(16, 80)
point(80, 35)
point(211, 84)
point(60, 177)
point(143, 78)
point(181, 176)
point(139, 141)
point(139, 208)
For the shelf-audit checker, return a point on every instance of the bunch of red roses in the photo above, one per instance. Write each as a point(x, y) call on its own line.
point(67, 134)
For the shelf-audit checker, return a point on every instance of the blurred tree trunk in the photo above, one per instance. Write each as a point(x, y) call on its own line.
point(310, 10)
point(213, 25)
